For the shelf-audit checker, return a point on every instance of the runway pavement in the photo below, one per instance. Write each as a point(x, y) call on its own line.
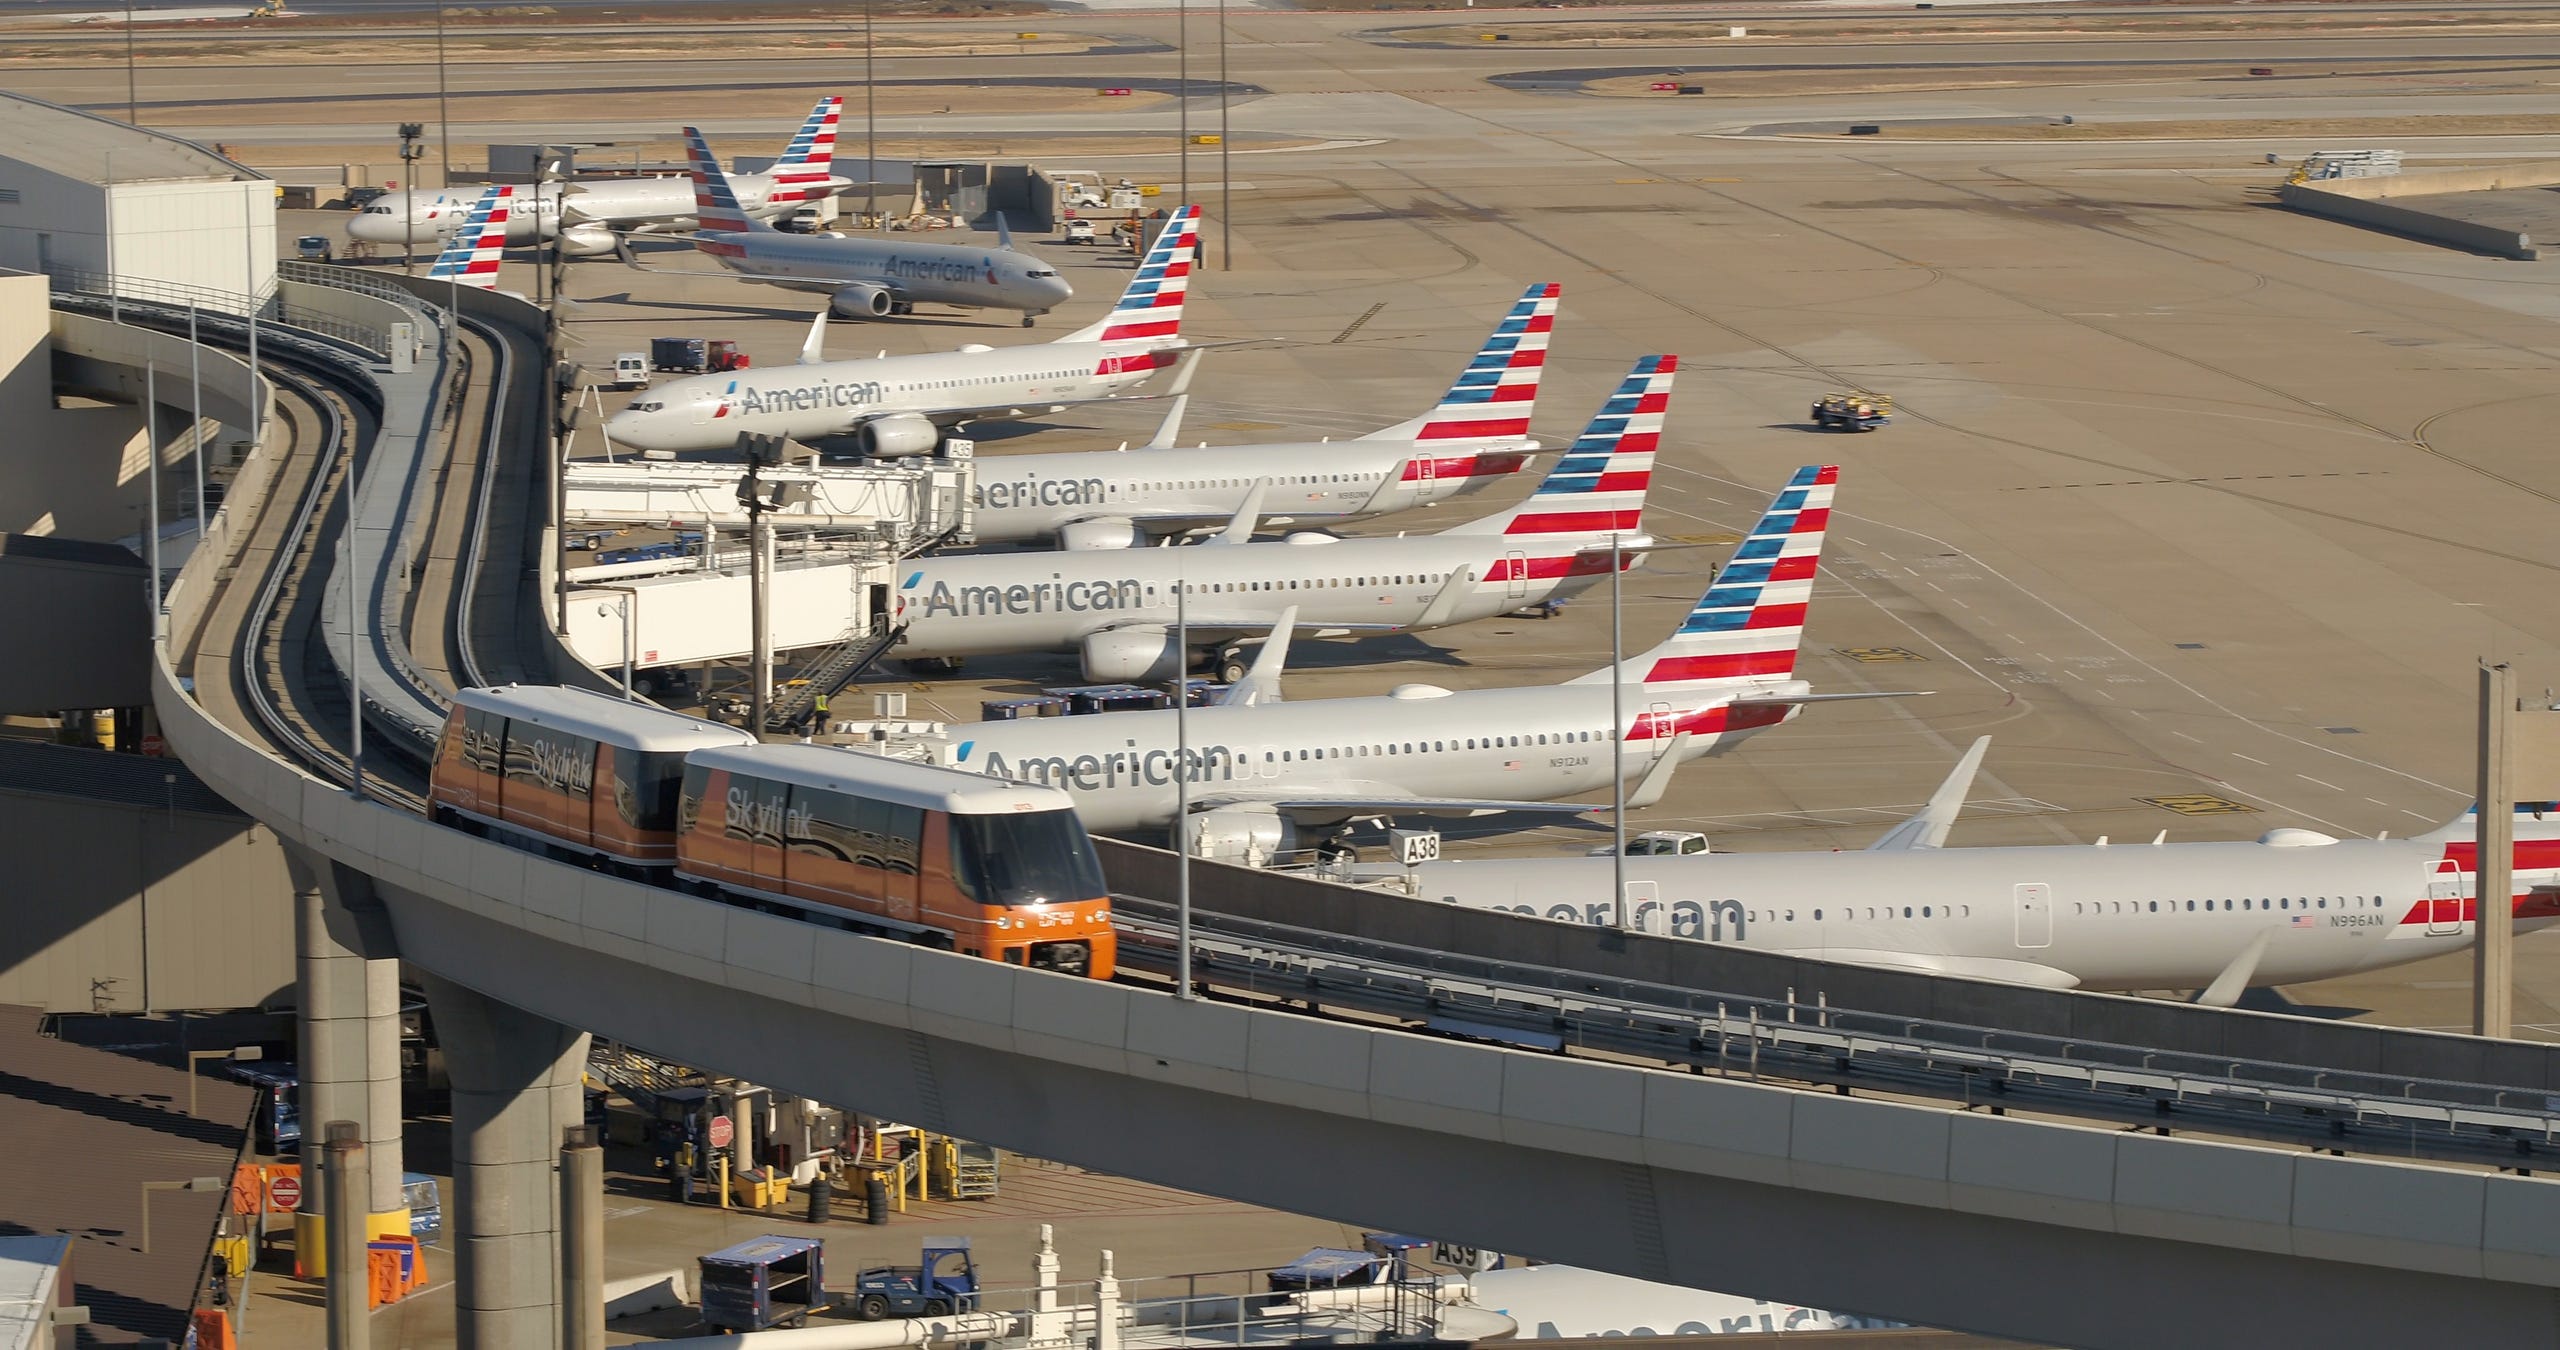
point(2203, 509)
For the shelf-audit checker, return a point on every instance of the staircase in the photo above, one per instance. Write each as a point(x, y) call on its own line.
point(829, 674)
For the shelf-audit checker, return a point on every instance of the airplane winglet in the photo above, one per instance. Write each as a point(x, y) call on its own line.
point(1180, 392)
point(1004, 232)
point(813, 348)
point(1929, 828)
point(2228, 986)
point(1261, 683)
point(1436, 614)
point(1657, 780)
point(1240, 529)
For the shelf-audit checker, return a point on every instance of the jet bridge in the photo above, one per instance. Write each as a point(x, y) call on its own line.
point(900, 504)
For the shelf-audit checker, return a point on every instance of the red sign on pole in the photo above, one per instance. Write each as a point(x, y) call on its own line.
point(285, 1193)
point(152, 744)
point(721, 1132)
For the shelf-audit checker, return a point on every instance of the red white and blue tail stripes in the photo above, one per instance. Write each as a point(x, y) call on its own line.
point(1597, 486)
point(1150, 310)
point(715, 203)
point(1497, 393)
point(1750, 622)
point(472, 252)
point(809, 161)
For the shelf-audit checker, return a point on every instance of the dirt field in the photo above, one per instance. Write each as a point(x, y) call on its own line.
point(2361, 129)
point(1988, 26)
point(517, 45)
point(1761, 84)
point(785, 106)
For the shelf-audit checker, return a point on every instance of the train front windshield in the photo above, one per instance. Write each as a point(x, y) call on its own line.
point(1038, 857)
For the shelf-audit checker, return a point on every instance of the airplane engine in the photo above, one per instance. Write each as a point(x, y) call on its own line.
point(861, 300)
point(1083, 536)
point(588, 240)
point(898, 435)
point(1310, 537)
point(1249, 834)
point(1129, 656)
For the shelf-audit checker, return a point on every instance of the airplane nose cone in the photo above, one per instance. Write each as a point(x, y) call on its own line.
point(1057, 289)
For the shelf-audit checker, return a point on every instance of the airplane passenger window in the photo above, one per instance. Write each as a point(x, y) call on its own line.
point(1924, 911)
point(2155, 906)
point(2324, 902)
point(1906, 911)
point(1817, 916)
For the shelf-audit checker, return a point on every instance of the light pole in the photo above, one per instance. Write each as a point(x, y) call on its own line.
point(1181, 789)
point(410, 153)
point(1226, 200)
point(870, 123)
point(1182, 40)
point(195, 381)
point(1618, 737)
point(444, 119)
point(132, 100)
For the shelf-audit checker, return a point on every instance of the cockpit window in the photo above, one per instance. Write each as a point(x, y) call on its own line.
point(646, 405)
point(1041, 272)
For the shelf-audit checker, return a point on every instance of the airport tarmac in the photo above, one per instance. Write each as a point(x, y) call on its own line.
point(2204, 510)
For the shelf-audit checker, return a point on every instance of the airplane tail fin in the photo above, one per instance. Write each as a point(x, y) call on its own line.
point(1494, 397)
point(1598, 486)
point(2533, 820)
point(1746, 628)
point(472, 252)
point(715, 203)
point(807, 163)
point(1150, 311)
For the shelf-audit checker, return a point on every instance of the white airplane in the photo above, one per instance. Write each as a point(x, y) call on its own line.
point(479, 243)
point(1117, 607)
point(587, 215)
point(1553, 1302)
point(1263, 772)
point(894, 405)
point(865, 277)
point(2220, 917)
point(1478, 435)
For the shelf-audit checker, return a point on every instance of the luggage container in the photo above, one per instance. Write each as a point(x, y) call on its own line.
point(764, 1282)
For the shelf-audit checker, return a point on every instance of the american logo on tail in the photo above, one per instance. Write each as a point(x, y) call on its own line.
point(810, 158)
point(1150, 310)
point(471, 255)
point(1750, 622)
point(715, 204)
point(1485, 401)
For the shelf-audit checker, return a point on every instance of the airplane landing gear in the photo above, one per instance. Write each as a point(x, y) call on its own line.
point(1026, 320)
point(1231, 666)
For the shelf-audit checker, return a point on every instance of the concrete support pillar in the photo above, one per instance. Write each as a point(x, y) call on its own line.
point(343, 1201)
point(581, 1240)
point(515, 1089)
point(348, 1020)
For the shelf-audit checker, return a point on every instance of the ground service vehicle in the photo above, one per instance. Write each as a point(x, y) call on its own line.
point(1852, 411)
point(312, 248)
point(938, 856)
point(695, 356)
point(945, 1283)
point(584, 776)
point(1077, 232)
point(1659, 844)
point(631, 370)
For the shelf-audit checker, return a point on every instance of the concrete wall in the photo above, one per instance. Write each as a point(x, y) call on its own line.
point(80, 474)
point(2495, 178)
point(123, 908)
point(93, 616)
point(2417, 224)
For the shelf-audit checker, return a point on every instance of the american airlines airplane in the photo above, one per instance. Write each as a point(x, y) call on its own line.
point(1264, 772)
point(479, 242)
point(587, 215)
point(2221, 917)
point(1117, 607)
point(896, 405)
point(1478, 435)
point(865, 277)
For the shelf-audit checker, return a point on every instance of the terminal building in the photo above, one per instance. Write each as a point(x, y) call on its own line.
point(82, 192)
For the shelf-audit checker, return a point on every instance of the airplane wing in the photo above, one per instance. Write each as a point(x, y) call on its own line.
point(1338, 800)
point(1934, 963)
point(1929, 828)
point(1778, 700)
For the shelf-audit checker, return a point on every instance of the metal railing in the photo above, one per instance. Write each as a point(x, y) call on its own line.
point(272, 307)
point(1558, 1010)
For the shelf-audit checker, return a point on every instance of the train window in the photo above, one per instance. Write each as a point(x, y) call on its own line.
point(1037, 857)
point(902, 839)
point(484, 735)
point(826, 823)
point(645, 787)
point(755, 810)
point(697, 781)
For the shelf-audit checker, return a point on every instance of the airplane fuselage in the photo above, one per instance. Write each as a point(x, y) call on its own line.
point(963, 275)
point(1021, 498)
point(1536, 744)
point(2124, 916)
point(428, 215)
point(1048, 601)
point(813, 402)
